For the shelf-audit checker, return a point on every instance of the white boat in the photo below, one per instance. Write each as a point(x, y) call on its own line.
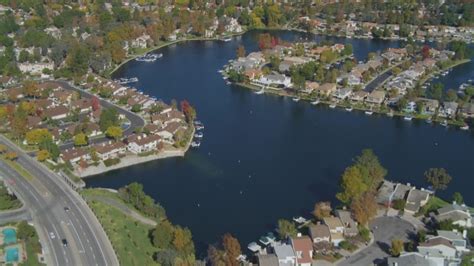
point(228, 39)
point(429, 121)
point(407, 118)
point(195, 144)
point(333, 105)
point(296, 99)
point(470, 80)
point(225, 78)
point(465, 127)
point(199, 127)
point(228, 83)
point(260, 91)
point(444, 123)
point(148, 57)
point(199, 135)
point(315, 102)
point(220, 71)
point(369, 112)
point(349, 109)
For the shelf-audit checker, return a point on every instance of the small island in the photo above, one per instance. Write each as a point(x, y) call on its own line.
point(395, 82)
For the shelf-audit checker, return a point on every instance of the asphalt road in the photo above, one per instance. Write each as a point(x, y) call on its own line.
point(377, 81)
point(46, 195)
point(135, 120)
point(385, 229)
point(15, 215)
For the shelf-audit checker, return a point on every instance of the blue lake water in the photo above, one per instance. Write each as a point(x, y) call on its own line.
point(266, 157)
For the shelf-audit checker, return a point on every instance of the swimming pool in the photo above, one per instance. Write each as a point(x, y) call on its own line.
point(9, 236)
point(11, 254)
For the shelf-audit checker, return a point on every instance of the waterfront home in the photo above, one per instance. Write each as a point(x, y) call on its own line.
point(310, 86)
point(350, 226)
point(253, 60)
point(430, 106)
point(56, 113)
point(165, 118)
point(140, 143)
point(303, 249)
point(141, 41)
point(416, 199)
point(415, 259)
point(285, 254)
point(401, 191)
point(385, 192)
point(267, 260)
point(467, 110)
point(359, 96)
point(274, 79)
point(342, 94)
point(290, 61)
point(326, 89)
point(457, 239)
point(6, 81)
point(448, 109)
point(253, 73)
point(35, 68)
point(74, 155)
point(336, 229)
point(319, 233)
point(458, 214)
point(438, 246)
point(110, 150)
point(376, 97)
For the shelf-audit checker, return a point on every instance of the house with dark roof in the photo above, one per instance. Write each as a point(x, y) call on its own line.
point(458, 239)
point(267, 260)
point(56, 113)
point(416, 199)
point(74, 155)
point(414, 259)
point(438, 247)
point(350, 226)
point(319, 233)
point(458, 214)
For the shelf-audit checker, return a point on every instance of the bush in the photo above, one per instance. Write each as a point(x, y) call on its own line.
point(364, 233)
point(347, 245)
point(111, 161)
point(399, 204)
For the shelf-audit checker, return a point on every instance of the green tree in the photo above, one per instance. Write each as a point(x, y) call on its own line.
point(162, 235)
point(372, 171)
point(114, 132)
point(80, 139)
point(286, 229)
point(42, 155)
point(352, 184)
point(25, 232)
point(457, 197)
point(438, 178)
point(397, 247)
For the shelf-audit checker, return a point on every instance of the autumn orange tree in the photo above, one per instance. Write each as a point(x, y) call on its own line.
point(322, 209)
point(228, 254)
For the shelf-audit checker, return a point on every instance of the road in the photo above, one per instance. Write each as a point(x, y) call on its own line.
point(46, 195)
point(377, 81)
point(136, 121)
point(15, 215)
point(384, 229)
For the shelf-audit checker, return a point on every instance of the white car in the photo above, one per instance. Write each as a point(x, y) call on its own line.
point(51, 234)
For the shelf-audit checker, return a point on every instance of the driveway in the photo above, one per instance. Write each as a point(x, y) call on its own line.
point(384, 229)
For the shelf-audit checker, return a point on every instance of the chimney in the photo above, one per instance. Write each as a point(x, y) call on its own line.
point(318, 222)
point(408, 184)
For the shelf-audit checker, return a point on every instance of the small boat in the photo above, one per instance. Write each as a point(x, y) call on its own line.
point(408, 118)
point(444, 123)
point(470, 80)
point(199, 127)
point(369, 112)
point(220, 71)
point(429, 121)
point(260, 91)
point(199, 135)
point(225, 78)
point(228, 39)
point(195, 144)
point(316, 102)
point(333, 105)
point(296, 99)
point(349, 109)
point(465, 127)
point(198, 123)
point(228, 83)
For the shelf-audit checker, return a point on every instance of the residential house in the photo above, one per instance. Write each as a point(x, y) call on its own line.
point(457, 239)
point(56, 113)
point(310, 86)
point(467, 110)
point(143, 143)
point(350, 226)
point(303, 249)
point(414, 259)
point(458, 214)
point(416, 199)
point(326, 89)
point(141, 41)
point(359, 96)
point(430, 105)
point(275, 79)
point(110, 150)
point(35, 68)
point(448, 109)
point(385, 193)
point(285, 254)
point(33, 122)
point(336, 229)
point(342, 94)
point(376, 97)
point(253, 73)
point(319, 233)
point(401, 191)
point(439, 247)
point(83, 105)
point(267, 259)
point(74, 155)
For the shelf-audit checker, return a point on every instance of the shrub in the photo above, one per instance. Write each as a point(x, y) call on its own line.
point(111, 161)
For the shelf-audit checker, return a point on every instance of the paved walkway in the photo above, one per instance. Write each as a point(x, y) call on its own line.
point(123, 208)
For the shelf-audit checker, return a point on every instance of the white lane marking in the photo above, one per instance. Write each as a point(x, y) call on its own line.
point(52, 247)
point(78, 237)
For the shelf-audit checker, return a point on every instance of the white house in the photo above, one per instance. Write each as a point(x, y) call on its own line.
point(458, 214)
point(274, 79)
point(320, 233)
point(142, 143)
point(438, 246)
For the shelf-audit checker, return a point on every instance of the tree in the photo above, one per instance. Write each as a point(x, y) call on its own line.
point(216, 256)
point(241, 51)
point(397, 247)
point(166, 257)
point(188, 111)
point(457, 197)
point(36, 136)
point(42, 155)
point(162, 235)
point(322, 209)
point(182, 241)
point(3, 148)
point(286, 229)
point(232, 249)
point(114, 132)
point(80, 139)
point(95, 103)
point(136, 108)
point(11, 156)
point(25, 232)
point(364, 208)
point(438, 178)
point(436, 91)
point(352, 183)
point(425, 51)
point(108, 118)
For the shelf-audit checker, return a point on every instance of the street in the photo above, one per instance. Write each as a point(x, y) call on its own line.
point(385, 229)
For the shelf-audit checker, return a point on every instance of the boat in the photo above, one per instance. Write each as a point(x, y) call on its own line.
point(465, 127)
point(124, 81)
point(228, 39)
point(148, 57)
point(408, 118)
point(254, 247)
point(333, 105)
point(199, 135)
point(368, 112)
point(316, 102)
point(444, 123)
point(429, 121)
point(198, 123)
point(199, 127)
point(296, 99)
point(195, 144)
point(260, 91)
point(349, 109)
point(470, 80)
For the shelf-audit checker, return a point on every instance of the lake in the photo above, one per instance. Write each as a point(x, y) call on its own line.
point(266, 157)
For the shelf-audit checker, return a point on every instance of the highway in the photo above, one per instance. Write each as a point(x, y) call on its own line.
point(58, 212)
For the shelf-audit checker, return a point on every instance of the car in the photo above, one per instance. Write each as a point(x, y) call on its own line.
point(51, 234)
point(64, 241)
point(66, 208)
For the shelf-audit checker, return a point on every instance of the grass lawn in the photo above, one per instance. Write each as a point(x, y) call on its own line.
point(32, 251)
point(19, 169)
point(433, 204)
point(128, 236)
